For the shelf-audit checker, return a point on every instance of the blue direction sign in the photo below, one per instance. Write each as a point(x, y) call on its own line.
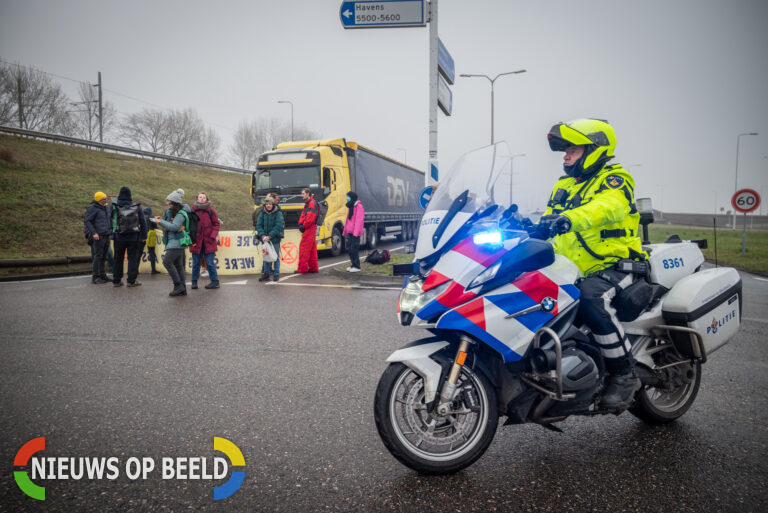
point(382, 13)
point(445, 63)
point(425, 196)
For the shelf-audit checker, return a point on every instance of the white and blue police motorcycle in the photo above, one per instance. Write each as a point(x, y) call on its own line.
point(506, 340)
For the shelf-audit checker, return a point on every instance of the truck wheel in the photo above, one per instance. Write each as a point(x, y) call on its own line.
point(337, 243)
point(373, 237)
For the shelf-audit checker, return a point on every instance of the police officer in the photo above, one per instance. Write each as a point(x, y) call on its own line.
point(592, 216)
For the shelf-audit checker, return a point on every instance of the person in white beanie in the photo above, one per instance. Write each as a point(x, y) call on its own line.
point(174, 224)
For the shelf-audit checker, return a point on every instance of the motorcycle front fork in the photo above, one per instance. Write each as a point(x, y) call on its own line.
point(449, 387)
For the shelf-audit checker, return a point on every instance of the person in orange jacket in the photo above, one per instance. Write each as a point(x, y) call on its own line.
point(307, 227)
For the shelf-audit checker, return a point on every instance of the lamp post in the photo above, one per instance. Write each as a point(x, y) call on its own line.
point(405, 155)
point(291, 103)
point(512, 172)
point(493, 82)
point(736, 178)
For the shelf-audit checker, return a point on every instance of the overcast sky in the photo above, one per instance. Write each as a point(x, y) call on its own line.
point(678, 79)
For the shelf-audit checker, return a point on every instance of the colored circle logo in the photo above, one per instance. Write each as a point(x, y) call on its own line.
point(22, 477)
point(238, 476)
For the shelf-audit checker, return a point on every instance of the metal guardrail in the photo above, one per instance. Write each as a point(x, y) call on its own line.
point(119, 149)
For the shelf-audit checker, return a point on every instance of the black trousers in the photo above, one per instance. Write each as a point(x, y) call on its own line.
point(597, 312)
point(100, 248)
point(134, 253)
point(354, 250)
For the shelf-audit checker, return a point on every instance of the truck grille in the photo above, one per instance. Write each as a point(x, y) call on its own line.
point(291, 218)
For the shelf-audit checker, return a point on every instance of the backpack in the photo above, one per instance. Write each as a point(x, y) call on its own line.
point(378, 257)
point(322, 209)
point(192, 220)
point(126, 219)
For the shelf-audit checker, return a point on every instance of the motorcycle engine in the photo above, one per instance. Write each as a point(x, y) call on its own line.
point(579, 370)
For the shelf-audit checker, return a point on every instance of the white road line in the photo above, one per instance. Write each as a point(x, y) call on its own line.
point(333, 286)
point(764, 321)
point(761, 279)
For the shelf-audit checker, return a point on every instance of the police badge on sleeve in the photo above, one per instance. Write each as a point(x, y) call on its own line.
point(614, 181)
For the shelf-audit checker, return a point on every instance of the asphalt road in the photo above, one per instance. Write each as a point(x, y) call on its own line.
point(288, 372)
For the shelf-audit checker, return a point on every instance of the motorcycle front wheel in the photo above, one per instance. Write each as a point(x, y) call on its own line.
point(427, 442)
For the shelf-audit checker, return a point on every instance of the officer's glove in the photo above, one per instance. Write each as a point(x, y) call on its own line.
point(301, 228)
point(559, 226)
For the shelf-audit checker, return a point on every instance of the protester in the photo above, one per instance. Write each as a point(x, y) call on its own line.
point(151, 239)
point(176, 238)
point(269, 228)
point(97, 223)
point(206, 244)
point(308, 229)
point(130, 231)
point(353, 229)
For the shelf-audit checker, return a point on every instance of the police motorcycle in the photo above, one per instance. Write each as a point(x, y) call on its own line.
point(506, 339)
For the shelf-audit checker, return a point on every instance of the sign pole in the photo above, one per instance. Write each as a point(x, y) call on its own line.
point(744, 237)
point(433, 51)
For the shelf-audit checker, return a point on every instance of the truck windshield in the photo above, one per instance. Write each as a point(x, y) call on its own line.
point(288, 177)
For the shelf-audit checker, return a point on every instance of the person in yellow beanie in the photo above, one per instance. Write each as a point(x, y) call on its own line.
point(99, 226)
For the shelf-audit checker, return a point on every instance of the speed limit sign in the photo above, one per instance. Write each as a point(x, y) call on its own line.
point(745, 200)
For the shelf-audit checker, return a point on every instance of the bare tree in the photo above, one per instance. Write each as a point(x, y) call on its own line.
point(33, 101)
point(207, 146)
point(86, 115)
point(145, 130)
point(244, 148)
point(254, 138)
point(183, 131)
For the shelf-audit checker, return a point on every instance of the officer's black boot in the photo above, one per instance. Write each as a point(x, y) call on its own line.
point(620, 390)
point(264, 277)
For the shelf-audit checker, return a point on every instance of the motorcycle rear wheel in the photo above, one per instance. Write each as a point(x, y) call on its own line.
point(661, 405)
point(426, 442)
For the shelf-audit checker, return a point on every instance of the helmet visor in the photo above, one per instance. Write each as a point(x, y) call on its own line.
point(561, 136)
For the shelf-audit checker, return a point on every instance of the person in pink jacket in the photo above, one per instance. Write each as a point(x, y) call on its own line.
point(353, 229)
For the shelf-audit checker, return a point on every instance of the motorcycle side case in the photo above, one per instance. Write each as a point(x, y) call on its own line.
point(673, 261)
point(708, 301)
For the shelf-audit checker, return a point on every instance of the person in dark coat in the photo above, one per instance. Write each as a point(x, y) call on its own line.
point(130, 232)
point(206, 245)
point(99, 227)
point(269, 228)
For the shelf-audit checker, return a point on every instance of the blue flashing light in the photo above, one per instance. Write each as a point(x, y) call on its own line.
point(488, 238)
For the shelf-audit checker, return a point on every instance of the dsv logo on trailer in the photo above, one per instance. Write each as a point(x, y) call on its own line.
point(77, 468)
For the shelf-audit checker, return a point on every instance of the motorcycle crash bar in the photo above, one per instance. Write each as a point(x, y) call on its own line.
point(558, 394)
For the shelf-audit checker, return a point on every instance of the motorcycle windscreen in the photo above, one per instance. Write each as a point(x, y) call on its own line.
point(478, 180)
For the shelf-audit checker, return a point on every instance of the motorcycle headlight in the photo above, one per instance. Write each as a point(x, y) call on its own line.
point(485, 276)
point(413, 298)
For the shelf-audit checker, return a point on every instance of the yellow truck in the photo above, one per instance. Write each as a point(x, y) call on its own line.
point(388, 189)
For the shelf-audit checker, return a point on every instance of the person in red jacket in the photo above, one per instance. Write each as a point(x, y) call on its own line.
point(307, 227)
point(206, 245)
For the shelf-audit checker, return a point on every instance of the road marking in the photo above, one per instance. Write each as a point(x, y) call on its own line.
point(764, 321)
point(330, 265)
point(334, 286)
point(761, 279)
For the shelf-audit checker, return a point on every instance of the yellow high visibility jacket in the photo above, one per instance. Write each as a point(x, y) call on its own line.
point(603, 216)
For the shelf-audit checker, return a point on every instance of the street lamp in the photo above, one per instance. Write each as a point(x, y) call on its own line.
point(291, 103)
point(405, 155)
point(736, 178)
point(493, 81)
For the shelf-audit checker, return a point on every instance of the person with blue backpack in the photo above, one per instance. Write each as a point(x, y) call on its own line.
point(175, 225)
